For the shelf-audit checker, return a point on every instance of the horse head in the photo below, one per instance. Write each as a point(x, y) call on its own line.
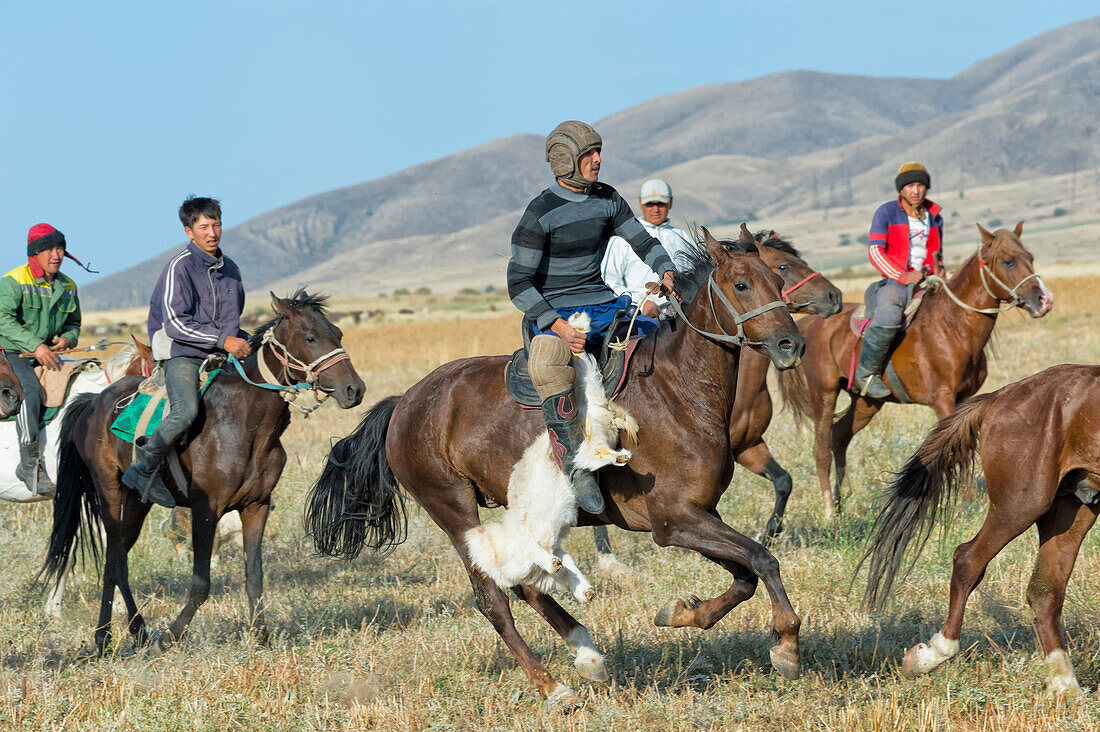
point(1011, 271)
point(815, 293)
point(311, 346)
point(11, 392)
point(742, 279)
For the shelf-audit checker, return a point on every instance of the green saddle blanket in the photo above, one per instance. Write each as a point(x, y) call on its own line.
point(127, 421)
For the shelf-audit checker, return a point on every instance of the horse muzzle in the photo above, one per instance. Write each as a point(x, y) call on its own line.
point(10, 401)
point(786, 351)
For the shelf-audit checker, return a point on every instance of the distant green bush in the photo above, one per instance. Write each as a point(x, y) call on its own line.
point(1060, 211)
point(423, 291)
point(401, 291)
point(468, 291)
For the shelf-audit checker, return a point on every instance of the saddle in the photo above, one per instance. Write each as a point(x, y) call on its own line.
point(56, 384)
point(613, 362)
point(862, 317)
point(865, 312)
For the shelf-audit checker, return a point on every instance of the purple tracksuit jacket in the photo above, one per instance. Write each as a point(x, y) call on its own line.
point(196, 305)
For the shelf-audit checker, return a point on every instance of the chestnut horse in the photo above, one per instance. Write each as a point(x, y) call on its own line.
point(232, 459)
point(452, 440)
point(940, 360)
point(1040, 452)
point(752, 402)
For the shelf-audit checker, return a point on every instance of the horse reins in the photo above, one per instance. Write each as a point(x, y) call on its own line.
point(1013, 299)
point(312, 371)
point(737, 339)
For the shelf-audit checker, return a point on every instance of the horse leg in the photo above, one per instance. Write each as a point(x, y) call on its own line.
point(57, 592)
point(759, 460)
point(823, 445)
point(1001, 526)
point(606, 561)
point(253, 521)
point(133, 514)
point(203, 525)
point(701, 530)
point(692, 612)
point(456, 517)
point(855, 418)
point(1061, 531)
point(587, 658)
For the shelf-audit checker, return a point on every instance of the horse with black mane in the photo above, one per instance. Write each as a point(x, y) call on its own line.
point(451, 440)
point(232, 459)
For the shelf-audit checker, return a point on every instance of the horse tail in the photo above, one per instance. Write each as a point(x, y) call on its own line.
point(795, 390)
point(76, 520)
point(356, 501)
point(927, 483)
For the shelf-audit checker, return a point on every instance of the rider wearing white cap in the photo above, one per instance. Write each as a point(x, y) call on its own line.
point(622, 270)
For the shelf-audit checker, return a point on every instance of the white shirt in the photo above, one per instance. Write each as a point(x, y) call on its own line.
point(918, 241)
point(625, 273)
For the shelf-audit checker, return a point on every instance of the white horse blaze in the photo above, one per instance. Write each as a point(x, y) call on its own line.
point(923, 658)
point(524, 547)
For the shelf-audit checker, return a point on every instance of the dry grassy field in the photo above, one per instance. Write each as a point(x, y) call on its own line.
point(397, 644)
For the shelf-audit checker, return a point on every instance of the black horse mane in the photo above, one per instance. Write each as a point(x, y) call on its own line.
point(698, 263)
point(300, 300)
point(772, 238)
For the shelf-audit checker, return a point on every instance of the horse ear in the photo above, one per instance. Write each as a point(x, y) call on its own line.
point(278, 304)
point(987, 238)
point(717, 251)
point(746, 235)
point(1019, 228)
point(143, 350)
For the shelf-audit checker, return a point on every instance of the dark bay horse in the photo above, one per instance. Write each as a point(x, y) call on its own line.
point(1040, 452)
point(456, 434)
point(752, 411)
point(940, 360)
point(232, 460)
point(11, 391)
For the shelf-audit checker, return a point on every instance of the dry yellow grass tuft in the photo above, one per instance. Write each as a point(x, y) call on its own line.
point(396, 644)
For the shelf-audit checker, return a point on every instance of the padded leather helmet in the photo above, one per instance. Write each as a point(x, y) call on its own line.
point(564, 147)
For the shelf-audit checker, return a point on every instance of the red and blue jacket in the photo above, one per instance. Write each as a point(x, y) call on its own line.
point(889, 245)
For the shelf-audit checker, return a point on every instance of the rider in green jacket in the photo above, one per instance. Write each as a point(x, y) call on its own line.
point(39, 315)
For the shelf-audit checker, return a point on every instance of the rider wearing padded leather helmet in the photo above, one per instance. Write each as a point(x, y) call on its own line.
point(554, 272)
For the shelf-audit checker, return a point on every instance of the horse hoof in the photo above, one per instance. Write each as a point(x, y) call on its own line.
point(786, 663)
point(563, 700)
point(261, 635)
point(678, 613)
point(590, 594)
point(592, 669)
point(160, 644)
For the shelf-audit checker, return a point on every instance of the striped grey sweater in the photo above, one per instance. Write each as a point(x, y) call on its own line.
point(559, 245)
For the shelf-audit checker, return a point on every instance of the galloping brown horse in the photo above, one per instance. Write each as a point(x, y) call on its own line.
point(940, 360)
point(752, 412)
point(453, 438)
point(232, 461)
point(1040, 452)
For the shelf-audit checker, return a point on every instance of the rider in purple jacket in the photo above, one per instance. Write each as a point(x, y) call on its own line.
point(195, 310)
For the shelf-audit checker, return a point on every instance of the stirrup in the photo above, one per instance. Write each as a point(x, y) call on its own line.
point(869, 381)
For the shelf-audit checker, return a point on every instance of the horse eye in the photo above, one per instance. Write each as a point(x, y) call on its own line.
point(782, 268)
point(741, 286)
point(1009, 263)
point(310, 339)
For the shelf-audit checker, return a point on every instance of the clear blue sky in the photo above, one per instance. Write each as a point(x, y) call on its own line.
point(111, 113)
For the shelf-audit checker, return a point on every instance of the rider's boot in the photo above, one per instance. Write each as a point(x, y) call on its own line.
point(143, 475)
point(876, 342)
point(566, 430)
point(32, 471)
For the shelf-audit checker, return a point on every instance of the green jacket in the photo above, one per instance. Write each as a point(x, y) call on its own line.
point(32, 310)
